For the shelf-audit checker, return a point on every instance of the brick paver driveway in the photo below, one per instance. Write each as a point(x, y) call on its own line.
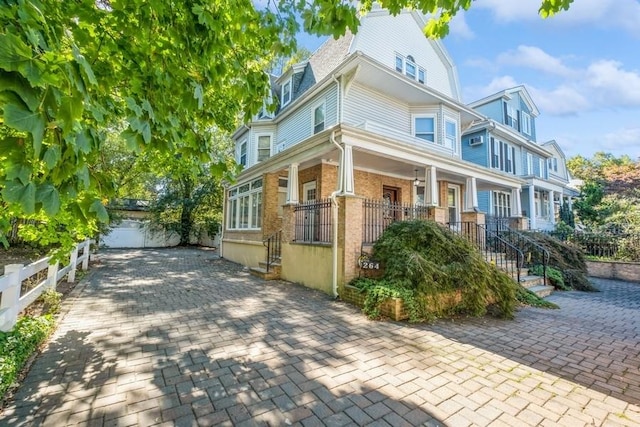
point(178, 337)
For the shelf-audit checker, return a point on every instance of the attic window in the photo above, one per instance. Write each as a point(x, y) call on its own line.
point(286, 93)
point(408, 67)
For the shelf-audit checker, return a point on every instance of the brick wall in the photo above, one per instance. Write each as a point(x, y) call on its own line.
point(369, 185)
point(271, 222)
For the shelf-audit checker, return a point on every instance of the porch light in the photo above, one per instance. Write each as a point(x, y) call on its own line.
point(416, 182)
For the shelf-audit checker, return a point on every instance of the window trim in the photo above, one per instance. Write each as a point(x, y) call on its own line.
point(454, 145)
point(317, 105)
point(433, 117)
point(285, 84)
point(257, 150)
point(526, 123)
point(236, 199)
point(529, 164)
point(502, 201)
point(243, 143)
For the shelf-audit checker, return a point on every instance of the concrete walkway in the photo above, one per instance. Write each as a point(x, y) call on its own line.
point(179, 337)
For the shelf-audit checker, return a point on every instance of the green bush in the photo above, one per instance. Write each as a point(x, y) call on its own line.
point(423, 259)
point(526, 297)
point(554, 275)
point(18, 344)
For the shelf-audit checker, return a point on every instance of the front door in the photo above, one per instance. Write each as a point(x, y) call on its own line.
point(311, 212)
point(391, 211)
point(453, 203)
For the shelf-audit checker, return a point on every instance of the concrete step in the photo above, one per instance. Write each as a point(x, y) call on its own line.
point(263, 274)
point(275, 266)
point(541, 290)
point(529, 281)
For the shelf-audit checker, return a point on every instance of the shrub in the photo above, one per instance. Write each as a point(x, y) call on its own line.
point(427, 260)
point(554, 275)
point(526, 297)
point(18, 344)
point(51, 300)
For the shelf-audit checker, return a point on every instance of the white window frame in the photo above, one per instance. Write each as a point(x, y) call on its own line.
point(322, 105)
point(410, 62)
point(247, 194)
point(541, 164)
point(433, 117)
point(494, 153)
point(529, 164)
point(257, 150)
point(501, 204)
point(512, 113)
point(422, 79)
point(447, 139)
point(242, 144)
point(399, 58)
point(288, 83)
point(526, 123)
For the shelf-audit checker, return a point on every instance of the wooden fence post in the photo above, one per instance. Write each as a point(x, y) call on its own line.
point(52, 275)
point(11, 296)
point(85, 254)
point(74, 263)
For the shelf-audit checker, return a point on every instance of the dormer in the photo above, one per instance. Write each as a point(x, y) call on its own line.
point(289, 82)
point(557, 164)
point(512, 107)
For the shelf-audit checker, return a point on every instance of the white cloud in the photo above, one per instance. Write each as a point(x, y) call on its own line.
point(458, 28)
point(535, 58)
point(474, 93)
point(623, 14)
point(563, 100)
point(612, 84)
point(623, 138)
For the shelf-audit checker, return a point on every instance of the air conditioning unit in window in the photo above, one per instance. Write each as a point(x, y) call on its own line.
point(476, 140)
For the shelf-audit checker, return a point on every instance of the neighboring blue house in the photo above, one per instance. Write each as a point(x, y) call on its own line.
point(506, 141)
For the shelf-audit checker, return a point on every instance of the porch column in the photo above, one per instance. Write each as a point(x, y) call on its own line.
point(570, 203)
point(293, 197)
point(552, 208)
point(347, 171)
point(532, 208)
point(516, 204)
point(431, 186)
point(471, 199)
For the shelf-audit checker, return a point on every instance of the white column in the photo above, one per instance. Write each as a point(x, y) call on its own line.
point(532, 208)
point(516, 203)
point(347, 171)
point(570, 203)
point(552, 208)
point(431, 186)
point(292, 185)
point(471, 199)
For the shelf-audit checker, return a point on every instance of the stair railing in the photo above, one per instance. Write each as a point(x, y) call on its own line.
point(274, 248)
point(534, 253)
point(494, 249)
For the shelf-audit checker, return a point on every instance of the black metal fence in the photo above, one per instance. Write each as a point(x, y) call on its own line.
point(496, 223)
point(377, 215)
point(274, 248)
point(534, 253)
point(313, 221)
point(617, 246)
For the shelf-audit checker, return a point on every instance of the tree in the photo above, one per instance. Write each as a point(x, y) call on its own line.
point(72, 72)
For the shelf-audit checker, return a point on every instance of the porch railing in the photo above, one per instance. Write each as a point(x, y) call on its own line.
point(313, 222)
point(496, 223)
point(274, 248)
point(618, 246)
point(379, 214)
point(494, 249)
point(534, 253)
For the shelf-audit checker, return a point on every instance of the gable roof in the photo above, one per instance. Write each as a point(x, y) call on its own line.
point(508, 94)
point(555, 145)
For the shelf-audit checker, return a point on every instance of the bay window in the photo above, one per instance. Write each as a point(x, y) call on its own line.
point(245, 206)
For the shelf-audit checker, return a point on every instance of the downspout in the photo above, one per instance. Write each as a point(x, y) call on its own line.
point(334, 213)
point(224, 219)
point(334, 202)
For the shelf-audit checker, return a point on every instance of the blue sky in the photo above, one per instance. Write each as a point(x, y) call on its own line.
point(582, 67)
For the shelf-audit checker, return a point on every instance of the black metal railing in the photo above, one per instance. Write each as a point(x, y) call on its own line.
point(274, 248)
point(534, 253)
point(496, 223)
point(618, 246)
point(313, 221)
point(494, 249)
point(377, 215)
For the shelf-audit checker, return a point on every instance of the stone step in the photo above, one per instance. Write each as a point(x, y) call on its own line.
point(541, 290)
point(263, 274)
point(532, 281)
point(275, 266)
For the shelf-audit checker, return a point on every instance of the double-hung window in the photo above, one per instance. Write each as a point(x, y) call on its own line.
point(529, 168)
point(501, 204)
point(245, 206)
point(502, 156)
point(318, 118)
point(399, 63)
point(242, 153)
point(425, 128)
point(450, 133)
point(541, 168)
point(526, 123)
point(512, 117)
point(286, 92)
point(264, 147)
point(410, 67)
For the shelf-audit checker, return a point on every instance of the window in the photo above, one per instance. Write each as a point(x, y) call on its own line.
point(410, 69)
point(540, 173)
point(512, 117)
point(242, 153)
point(526, 123)
point(318, 118)
point(501, 204)
point(424, 128)
point(553, 164)
point(542, 203)
point(264, 147)
point(245, 206)
point(399, 63)
point(529, 170)
point(286, 93)
point(422, 75)
point(503, 156)
point(451, 132)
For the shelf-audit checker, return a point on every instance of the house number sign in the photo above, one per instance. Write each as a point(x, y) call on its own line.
point(366, 263)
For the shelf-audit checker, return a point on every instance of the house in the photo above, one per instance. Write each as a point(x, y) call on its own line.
point(367, 131)
point(506, 141)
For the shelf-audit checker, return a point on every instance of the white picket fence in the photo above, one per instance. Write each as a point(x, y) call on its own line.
point(12, 303)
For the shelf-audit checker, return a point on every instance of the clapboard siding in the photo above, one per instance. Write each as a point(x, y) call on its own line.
point(363, 104)
point(382, 36)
